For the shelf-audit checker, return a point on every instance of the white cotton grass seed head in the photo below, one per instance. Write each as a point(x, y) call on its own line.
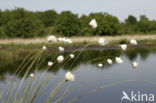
point(61, 49)
point(118, 60)
point(50, 63)
point(100, 65)
point(133, 42)
point(51, 38)
point(93, 23)
point(60, 58)
point(123, 47)
point(69, 41)
point(44, 47)
point(31, 75)
point(65, 40)
point(109, 61)
point(134, 64)
point(60, 39)
point(102, 41)
point(71, 56)
point(69, 76)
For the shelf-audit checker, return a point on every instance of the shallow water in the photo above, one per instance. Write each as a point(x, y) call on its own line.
point(91, 85)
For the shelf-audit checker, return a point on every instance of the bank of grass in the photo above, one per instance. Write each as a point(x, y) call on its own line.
point(18, 43)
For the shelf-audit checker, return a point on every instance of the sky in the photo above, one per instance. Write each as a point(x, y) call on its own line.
point(119, 8)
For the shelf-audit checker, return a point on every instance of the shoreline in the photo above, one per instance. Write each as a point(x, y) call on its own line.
point(106, 47)
point(78, 39)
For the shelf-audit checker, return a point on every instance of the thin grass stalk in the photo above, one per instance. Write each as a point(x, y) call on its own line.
point(12, 89)
point(26, 89)
point(38, 90)
point(81, 31)
point(47, 89)
point(97, 89)
point(36, 71)
point(54, 91)
point(62, 96)
point(15, 73)
point(25, 76)
point(31, 79)
point(37, 65)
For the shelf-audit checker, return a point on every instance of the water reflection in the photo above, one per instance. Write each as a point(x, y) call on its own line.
point(88, 76)
point(10, 60)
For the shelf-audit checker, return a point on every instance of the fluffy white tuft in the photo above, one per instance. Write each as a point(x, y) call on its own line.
point(118, 60)
point(100, 65)
point(93, 23)
point(69, 76)
point(60, 58)
point(123, 47)
point(109, 61)
point(133, 42)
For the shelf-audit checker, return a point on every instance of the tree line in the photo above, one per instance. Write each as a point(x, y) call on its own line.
point(25, 24)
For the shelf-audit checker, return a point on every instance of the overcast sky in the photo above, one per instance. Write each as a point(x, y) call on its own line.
point(119, 8)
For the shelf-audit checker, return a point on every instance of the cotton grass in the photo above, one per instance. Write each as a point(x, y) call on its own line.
point(60, 58)
point(118, 60)
point(69, 76)
point(50, 63)
point(134, 64)
point(109, 61)
point(93, 23)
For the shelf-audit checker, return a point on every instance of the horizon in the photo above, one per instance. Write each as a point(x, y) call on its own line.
point(121, 8)
point(79, 15)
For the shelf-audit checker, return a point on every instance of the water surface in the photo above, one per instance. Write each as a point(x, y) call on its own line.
point(92, 84)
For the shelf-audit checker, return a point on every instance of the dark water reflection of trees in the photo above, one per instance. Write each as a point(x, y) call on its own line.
point(10, 60)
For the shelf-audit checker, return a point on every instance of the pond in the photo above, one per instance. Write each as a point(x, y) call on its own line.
point(92, 84)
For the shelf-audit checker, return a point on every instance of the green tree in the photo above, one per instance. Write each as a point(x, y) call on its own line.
point(68, 24)
point(130, 25)
point(153, 26)
point(85, 30)
point(144, 24)
point(107, 24)
point(48, 18)
point(131, 20)
point(23, 24)
point(4, 19)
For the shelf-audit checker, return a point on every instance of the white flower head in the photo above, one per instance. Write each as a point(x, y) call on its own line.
point(134, 64)
point(100, 65)
point(69, 76)
point(64, 39)
point(118, 60)
point(109, 61)
point(69, 41)
point(51, 38)
point(72, 56)
point(61, 49)
point(50, 63)
point(31, 75)
point(60, 39)
point(102, 41)
point(133, 42)
point(93, 23)
point(60, 58)
point(44, 47)
point(123, 47)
